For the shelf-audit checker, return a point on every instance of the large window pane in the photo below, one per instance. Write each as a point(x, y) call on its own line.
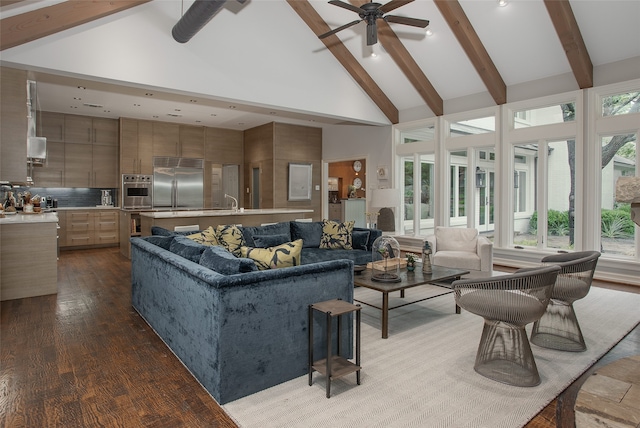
point(525, 218)
point(427, 171)
point(618, 104)
point(457, 189)
point(420, 193)
point(426, 133)
point(407, 166)
point(544, 115)
point(619, 159)
point(561, 195)
point(481, 125)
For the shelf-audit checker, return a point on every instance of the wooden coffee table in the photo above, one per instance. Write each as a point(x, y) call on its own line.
point(440, 276)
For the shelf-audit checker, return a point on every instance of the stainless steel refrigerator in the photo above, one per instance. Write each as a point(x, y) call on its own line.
point(178, 183)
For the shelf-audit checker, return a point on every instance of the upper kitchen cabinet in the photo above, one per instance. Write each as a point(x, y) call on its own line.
point(90, 130)
point(191, 142)
point(166, 137)
point(51, 173)
point(136, 146)
point(51, 126)
point(13, 121)
point(78, 163)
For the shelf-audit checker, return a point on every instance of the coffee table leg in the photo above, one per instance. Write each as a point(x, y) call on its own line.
point(385, 315)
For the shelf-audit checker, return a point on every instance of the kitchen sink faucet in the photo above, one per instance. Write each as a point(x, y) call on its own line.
point(233, 207)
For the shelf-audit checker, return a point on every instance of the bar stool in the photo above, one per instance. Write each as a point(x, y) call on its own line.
point(334, 366)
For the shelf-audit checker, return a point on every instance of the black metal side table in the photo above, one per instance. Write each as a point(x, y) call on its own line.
point(334, 366)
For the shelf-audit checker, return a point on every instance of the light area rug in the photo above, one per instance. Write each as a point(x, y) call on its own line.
point(422, 375)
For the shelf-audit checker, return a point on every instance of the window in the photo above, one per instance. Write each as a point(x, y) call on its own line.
point(545, 115)
point(619, 157)
point(481, 125)
point(426, 133)
point(619, 104)
point(418, 197)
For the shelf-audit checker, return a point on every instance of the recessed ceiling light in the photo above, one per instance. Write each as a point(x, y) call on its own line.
point(502, 3)
point(137, 105)
point(429, 32)
point(81, 87)
point(232, 107)
point(77, 98)
point(374, 55)
point(193, 101)
point(272, 113)
point(149, 94)
point(177, 109)
point(155, 117)
point(241, 123)
point(213, 115)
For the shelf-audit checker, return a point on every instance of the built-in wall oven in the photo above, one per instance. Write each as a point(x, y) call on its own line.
point(137, 191)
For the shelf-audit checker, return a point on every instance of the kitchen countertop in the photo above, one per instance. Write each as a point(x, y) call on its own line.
point(220, 213)
point(95, 207)
point(29, 218)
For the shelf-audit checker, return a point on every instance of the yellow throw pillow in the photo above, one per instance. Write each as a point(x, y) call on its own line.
point(336, 235)
point(231, 238)
point(284, 255)
point(206, 237)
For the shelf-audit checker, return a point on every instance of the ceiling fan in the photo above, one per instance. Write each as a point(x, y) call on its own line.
point(371, 12)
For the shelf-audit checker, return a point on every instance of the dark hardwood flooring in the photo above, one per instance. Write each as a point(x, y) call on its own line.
point(85, 358)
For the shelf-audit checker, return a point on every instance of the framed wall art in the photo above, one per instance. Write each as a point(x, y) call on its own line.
point(300, 181)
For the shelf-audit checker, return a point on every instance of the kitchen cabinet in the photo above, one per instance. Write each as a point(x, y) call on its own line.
point(51, 126)
point(105, 166)
point(136, 146)
point(191, 142)
point(13, 125)
point(90, 130)
point(78, 163)
point(51, 173)
point(166, 138)
point(93, 227)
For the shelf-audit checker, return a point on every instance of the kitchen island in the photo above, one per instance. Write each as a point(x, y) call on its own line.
point(202, 219)
point(28, 255)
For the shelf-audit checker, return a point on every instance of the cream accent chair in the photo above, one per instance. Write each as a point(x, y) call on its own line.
point(462, 248)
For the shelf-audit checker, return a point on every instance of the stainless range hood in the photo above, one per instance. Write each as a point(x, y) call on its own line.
point(36, 146)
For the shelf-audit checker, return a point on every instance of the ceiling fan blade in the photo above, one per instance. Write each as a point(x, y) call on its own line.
point(347, 6)
point(393, 4)
point(422, 23)
point(351, 24)
point(372, 34)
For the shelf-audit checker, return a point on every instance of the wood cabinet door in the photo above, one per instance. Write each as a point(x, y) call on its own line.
point(105, 166)
point(78, 129)
point(106, 227)
point(191, 141)
point(166, 137)
point(51, 174)
point(13, 125)
point(105, 131)
point(145, 147)
point(78, 162)
point(80, 228)
point(128, 146)
point(51, 126)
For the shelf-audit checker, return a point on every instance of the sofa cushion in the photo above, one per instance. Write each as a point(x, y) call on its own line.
point(336, 235)
point(161, 231)
point(285, 255)
point(359, 239)
point(231, 238)
point(266, 241)
point(315, 255)
point(206, 237)
point(161, 241)
point(187, 248)
point(456, 239)
point(310, 233)
point(220, 260)
point(249, 232)
point(459, 259)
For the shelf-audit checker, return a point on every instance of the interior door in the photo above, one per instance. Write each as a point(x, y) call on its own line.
point(485, 204)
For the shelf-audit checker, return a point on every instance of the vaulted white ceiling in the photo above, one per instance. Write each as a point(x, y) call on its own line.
point(262, 59)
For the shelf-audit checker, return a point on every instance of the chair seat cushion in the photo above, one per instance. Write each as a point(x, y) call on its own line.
point(456, 239)
point(504, 305)
point(457, 259)
point(569, 288)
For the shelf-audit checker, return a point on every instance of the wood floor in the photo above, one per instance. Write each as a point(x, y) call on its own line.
point(85, 358)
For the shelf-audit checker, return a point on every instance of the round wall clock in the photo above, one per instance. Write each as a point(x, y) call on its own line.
point(357, 166)
point(357, 183)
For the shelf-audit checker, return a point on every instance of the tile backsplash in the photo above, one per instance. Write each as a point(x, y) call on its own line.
point(70, 197)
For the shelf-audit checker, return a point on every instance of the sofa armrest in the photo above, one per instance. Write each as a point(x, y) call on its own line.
point(485, 251)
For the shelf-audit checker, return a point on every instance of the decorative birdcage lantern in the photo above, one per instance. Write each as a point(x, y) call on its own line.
point(385, 256)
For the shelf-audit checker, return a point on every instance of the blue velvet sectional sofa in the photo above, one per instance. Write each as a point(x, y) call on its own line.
point(240, 332)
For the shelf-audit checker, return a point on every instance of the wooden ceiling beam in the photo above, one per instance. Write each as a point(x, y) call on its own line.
point(49, 20)
point(315, 22)
point(571, 39)
point(407, 64)
point(470, 42)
